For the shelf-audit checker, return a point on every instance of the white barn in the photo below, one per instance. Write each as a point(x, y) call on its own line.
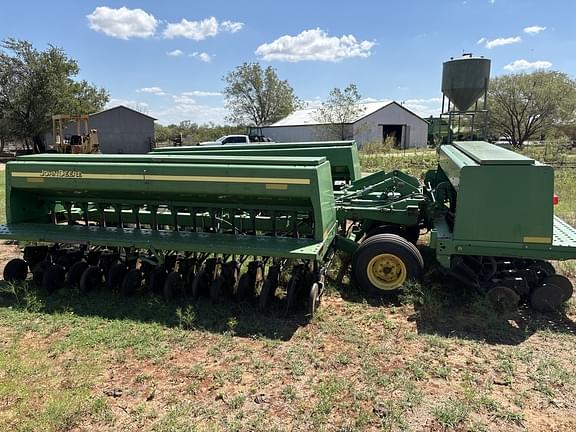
point(378, 121)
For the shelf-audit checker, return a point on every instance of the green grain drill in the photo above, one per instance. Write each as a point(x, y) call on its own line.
point(248, 221)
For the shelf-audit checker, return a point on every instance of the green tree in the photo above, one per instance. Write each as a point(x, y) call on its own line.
point(338, 112)
point(525, 106)
point(36, 84)
point(256, 96)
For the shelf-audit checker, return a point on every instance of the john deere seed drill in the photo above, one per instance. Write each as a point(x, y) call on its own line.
point(249, 221)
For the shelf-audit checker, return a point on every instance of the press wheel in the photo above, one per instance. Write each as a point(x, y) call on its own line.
point(313, 300)
point(16, 270)
point(217, 289)
point(267, 294)
point(132, 282)
point(53, 278)
point(547, 297)
point(91, 279)
point(200, 284)
point(563, 283)
point(116, 275)
point(157, 279)
point(245, 287)
point(75, 273)
point(173, 285)
point(503, 298)
point(38, 272)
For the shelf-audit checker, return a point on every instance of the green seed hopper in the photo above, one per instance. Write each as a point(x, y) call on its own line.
point(342, 155)
point(223, 204)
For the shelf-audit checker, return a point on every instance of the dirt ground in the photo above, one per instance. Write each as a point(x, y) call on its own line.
point(100, 362)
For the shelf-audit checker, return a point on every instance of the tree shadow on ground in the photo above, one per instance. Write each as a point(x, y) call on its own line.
point(450, 310)
point(244, 318)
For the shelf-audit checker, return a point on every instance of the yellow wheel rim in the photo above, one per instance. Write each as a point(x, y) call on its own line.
point(386, 271)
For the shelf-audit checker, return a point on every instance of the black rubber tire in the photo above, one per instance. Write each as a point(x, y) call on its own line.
point(189, 280)
point(386, 244)
point(313, 300)
point(116, 275)
point(546, 298)
point(16, 270)
point(75, 273)
point(173, 286)
point(411, 233)
point(245, 290)
point(563, 283)
point(292, 288)
point(53, 278)
point(91, 279)
point(266, 294)
point(156, 279)
point(503, 298)
point(132, 282)
point(216, 289)
point(200, 284)
point(38, 273)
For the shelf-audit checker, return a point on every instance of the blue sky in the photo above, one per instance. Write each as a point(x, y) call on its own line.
point(168, 57)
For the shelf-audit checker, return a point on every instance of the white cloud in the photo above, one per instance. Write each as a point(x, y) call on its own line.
point(186, 108)
point(153, 90)
point(175, 53)
point(502, 41)
point(533, 30)
point(205, 57)
point(201, 93)
point(231, 26)
point(314, 44)
point(200, 30)
point(524, 65)
point(481, 41)
point(122, 23)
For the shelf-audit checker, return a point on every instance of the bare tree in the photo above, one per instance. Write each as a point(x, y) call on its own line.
point(338, 112)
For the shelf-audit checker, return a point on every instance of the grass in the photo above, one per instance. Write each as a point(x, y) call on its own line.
point(437, 359)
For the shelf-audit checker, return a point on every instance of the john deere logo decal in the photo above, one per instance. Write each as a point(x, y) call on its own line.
point(61, 173)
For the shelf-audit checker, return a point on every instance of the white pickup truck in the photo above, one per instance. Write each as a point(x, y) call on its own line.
point(235, 139)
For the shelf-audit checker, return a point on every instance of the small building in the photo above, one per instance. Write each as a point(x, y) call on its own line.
point(120, 130)
point(377, 122)
point(123, 130)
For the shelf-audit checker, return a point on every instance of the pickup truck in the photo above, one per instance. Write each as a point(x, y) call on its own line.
point(236, 139)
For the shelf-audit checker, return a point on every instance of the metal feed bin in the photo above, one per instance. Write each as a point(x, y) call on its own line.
point(465, 80)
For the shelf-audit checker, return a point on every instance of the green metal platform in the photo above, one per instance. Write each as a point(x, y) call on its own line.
point(563, 246)
point(182, 241)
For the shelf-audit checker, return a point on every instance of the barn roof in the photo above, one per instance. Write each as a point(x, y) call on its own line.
point(307, 116)
point(125, 108)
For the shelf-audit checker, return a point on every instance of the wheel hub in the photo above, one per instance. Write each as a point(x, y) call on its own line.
point(386, 271)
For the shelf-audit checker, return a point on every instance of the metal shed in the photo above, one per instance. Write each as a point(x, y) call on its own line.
point(123, 130)
point(377, 121)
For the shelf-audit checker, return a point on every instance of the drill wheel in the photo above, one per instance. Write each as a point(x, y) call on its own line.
point(547, 297)
point(313, 300)
point(16, 270)
point(75, 273)
point(53, 278)
point(91, 279)
point(173, 286)
point(563, 283)
point(503, 298)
